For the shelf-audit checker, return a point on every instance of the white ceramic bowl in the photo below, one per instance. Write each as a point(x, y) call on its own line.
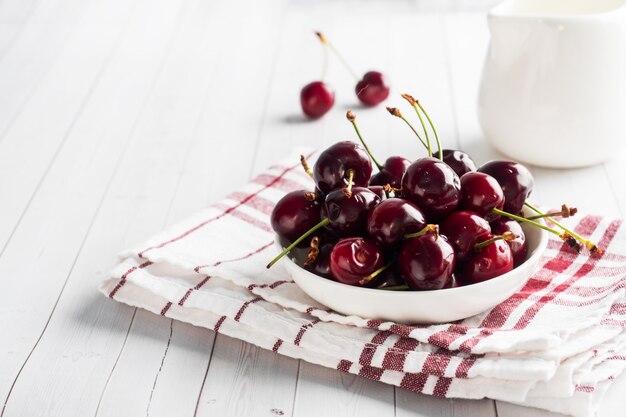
point(412, 307)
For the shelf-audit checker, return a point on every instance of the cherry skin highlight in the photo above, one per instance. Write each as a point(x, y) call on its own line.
point(515, 179)
point(355, 258)
point(426, 262)
point(464, 229)
point(332, 168)
point(294, 214)
point(481, 193)
point(372, 89)
point(348, 215)
point(316, 99)
point(390, 220)
point(459, 161)
point(392, 172)
point(433, 186)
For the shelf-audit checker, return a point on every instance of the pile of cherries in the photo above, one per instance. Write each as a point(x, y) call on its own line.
point(433, 223)
point(317, 97)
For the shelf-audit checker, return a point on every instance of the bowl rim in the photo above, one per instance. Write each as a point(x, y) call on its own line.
point(534, 255)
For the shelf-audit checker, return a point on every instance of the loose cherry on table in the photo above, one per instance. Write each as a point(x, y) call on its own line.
point(481, 193)
point(492, 259)
point(433, 186)
point(459, 161)
point(331, 168)
point(294, 214)
point(372, 89)
point(316, 99)
point(390, 220)
point(354, 261)
point(464, 229)
point(426, 262)
point(519, 246)
point(515, 179)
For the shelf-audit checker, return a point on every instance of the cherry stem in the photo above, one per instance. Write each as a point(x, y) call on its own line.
point(525, 220)
point(395, 288)
point(508, 236)
point(413, 104)
point(396, 112)
point(432, 125)
point(591, 247)
point(305, 166)
point(347, 191)
point(352, 118)
point(314, 251)
point(296, 242)
point(365, 280)
point(430, 228)
point(324, 40)
point(565, 213)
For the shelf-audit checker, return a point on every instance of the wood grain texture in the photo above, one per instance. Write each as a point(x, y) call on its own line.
point(119, 118)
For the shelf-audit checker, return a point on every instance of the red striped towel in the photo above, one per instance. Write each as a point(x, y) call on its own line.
point(561, 337)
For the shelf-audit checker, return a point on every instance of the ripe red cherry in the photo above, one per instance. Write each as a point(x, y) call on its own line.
point(392, 172)
point(294, 214)
point(379, 190)
point(481, 193)
point(433, 186)
point(372, 88)
point(348, 216)
point(519, 246)
point(426, 262)
point(491, 261)
point(331, 168)
point(316, 99)
point(515, 179)
point(459, 161)
point(355, 258)
point(321, 265)
point(390, 220)
point(464, 229)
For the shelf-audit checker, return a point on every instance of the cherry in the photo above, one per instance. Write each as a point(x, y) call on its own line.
point(453, 283)
point(491, 261)
point(390, 220)
point(379, 190)
point(481, 193)
point(331, 168)
point(463, 229)
point(433, 186)
point(515, 179)
point(426, 262)
point(392, 172)
point(321, 264)
point(519, 246)
point(294, 214)
point(316, 99)
point(390, 277)
point(372, 89)
point(459, 161)
point(354, 259)
point(348, 216)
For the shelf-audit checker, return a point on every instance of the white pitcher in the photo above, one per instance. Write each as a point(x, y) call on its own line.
point(553, 90)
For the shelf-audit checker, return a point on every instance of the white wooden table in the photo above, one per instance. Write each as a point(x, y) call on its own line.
point(120, 117)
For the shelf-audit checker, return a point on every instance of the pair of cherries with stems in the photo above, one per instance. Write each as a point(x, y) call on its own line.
point(317, 97)
point(363, 236)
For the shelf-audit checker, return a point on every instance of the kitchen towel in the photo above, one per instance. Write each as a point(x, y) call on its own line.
point(557, 344)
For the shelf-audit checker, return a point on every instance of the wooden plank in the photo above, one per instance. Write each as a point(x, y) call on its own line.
point(410, 404)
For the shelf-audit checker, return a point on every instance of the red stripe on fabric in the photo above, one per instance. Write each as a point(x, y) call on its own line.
point(396, 357)
point(258, 202)
point(246, 218)
point(283, 184)
point(371, 372)
point(166, 308)
point(532, 311)
point(273, 285)
point(219, 324)
point(437, 362)
point(499, 314)
point(125, 275)
point(267, 185)
point(303, 329)
point(466, 364)
point(369, 349)
point(617, 358)
point(414, 381)
point(402, 330)
point(241, 258)
point(442, 386)
point(244, 306)
point(584, 388)
point(618, 308)
point(190, 290)
point(344, 366)
point(277, 345)
point(445, 338)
